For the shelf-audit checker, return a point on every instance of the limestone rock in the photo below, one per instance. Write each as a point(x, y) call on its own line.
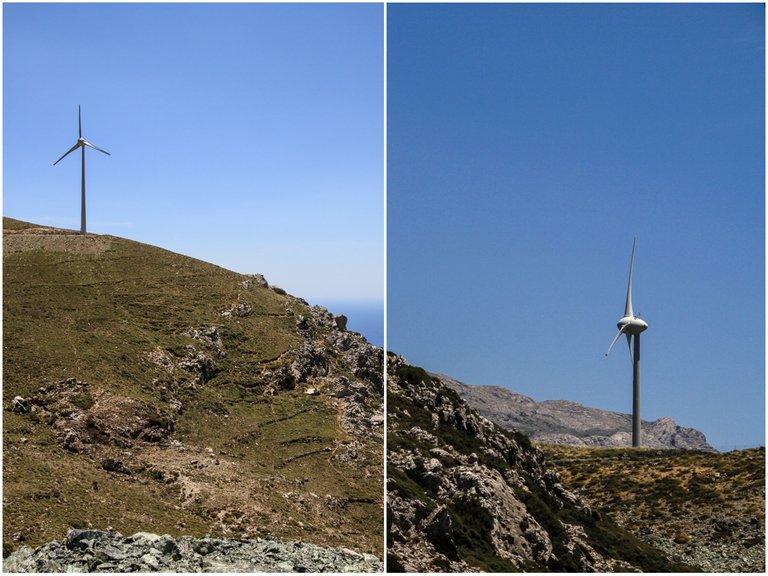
point(341, 321)
point(254, 280)
point(571, 423)
point(94, 550)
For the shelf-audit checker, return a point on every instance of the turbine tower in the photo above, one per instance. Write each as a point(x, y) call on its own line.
point(81, 143)
point(630, 325)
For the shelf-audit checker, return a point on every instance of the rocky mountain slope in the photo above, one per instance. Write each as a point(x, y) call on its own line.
point(571, 423)
point(701, 508)
point(145, 391)
point(464, 494)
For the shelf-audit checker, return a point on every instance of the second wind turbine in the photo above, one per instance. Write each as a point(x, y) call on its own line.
point(81, 143)
point(630, 325)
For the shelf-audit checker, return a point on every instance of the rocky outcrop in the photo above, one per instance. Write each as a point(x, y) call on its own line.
point(343, 366)
point(209, 335)
point(237, 310)
point(670, 435)
point(570, 423)
point(84, 417)
point(98, 551)
point(466, 495)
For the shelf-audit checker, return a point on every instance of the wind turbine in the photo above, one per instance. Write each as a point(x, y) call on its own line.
point(630, 325)
point(81, 143)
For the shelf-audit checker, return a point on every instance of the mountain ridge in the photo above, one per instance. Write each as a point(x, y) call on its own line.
point(570, 423)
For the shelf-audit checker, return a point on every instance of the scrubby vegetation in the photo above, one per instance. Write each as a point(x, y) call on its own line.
point(695, 505)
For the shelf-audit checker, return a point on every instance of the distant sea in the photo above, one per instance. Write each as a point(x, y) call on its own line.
point(364, 316)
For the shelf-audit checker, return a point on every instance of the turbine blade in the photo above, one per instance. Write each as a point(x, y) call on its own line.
point(621, 331)
point(96, 147)
point(628, 305)
point(629, 345)
point(79, 123)
point(75, 147)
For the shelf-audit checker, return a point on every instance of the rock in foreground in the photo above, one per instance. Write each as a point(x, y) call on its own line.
point(98, 551)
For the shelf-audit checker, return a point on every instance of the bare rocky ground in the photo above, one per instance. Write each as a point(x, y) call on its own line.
point(53, 239)
point(96, 551)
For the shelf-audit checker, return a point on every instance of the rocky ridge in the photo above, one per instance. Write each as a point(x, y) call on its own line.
point(465, 494)
point(570, 423)
point(97, 551)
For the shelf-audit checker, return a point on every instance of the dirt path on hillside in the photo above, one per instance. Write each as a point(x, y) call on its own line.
point(53, 240)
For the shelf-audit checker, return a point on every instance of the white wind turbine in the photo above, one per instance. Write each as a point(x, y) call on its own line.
point(630, 325)
point(81, 143)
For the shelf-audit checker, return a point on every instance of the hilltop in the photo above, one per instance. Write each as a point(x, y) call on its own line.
point(465, 494)
point(146, 391)
point(570, 423)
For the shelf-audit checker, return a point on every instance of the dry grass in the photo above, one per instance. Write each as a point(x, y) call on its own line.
point(690, 500)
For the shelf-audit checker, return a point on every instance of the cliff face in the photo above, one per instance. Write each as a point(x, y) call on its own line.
point(570, 423)
point(465, 494)
point(145, 391)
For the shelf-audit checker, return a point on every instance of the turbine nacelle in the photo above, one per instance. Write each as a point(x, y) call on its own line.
point(631, 325)
point(81, 143)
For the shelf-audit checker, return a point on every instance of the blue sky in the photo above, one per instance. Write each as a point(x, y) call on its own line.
point(527, 146)
point(250, 136)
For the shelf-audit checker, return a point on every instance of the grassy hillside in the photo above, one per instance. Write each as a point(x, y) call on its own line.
point(706, 509)
point(157, 393)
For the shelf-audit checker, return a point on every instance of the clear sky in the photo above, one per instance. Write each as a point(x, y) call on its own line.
point(527, 146)
point(247, 135)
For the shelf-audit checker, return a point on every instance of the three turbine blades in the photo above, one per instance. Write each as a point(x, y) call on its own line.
point(81, 142)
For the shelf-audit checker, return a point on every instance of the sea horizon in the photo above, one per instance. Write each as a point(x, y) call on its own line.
point(363, 316)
